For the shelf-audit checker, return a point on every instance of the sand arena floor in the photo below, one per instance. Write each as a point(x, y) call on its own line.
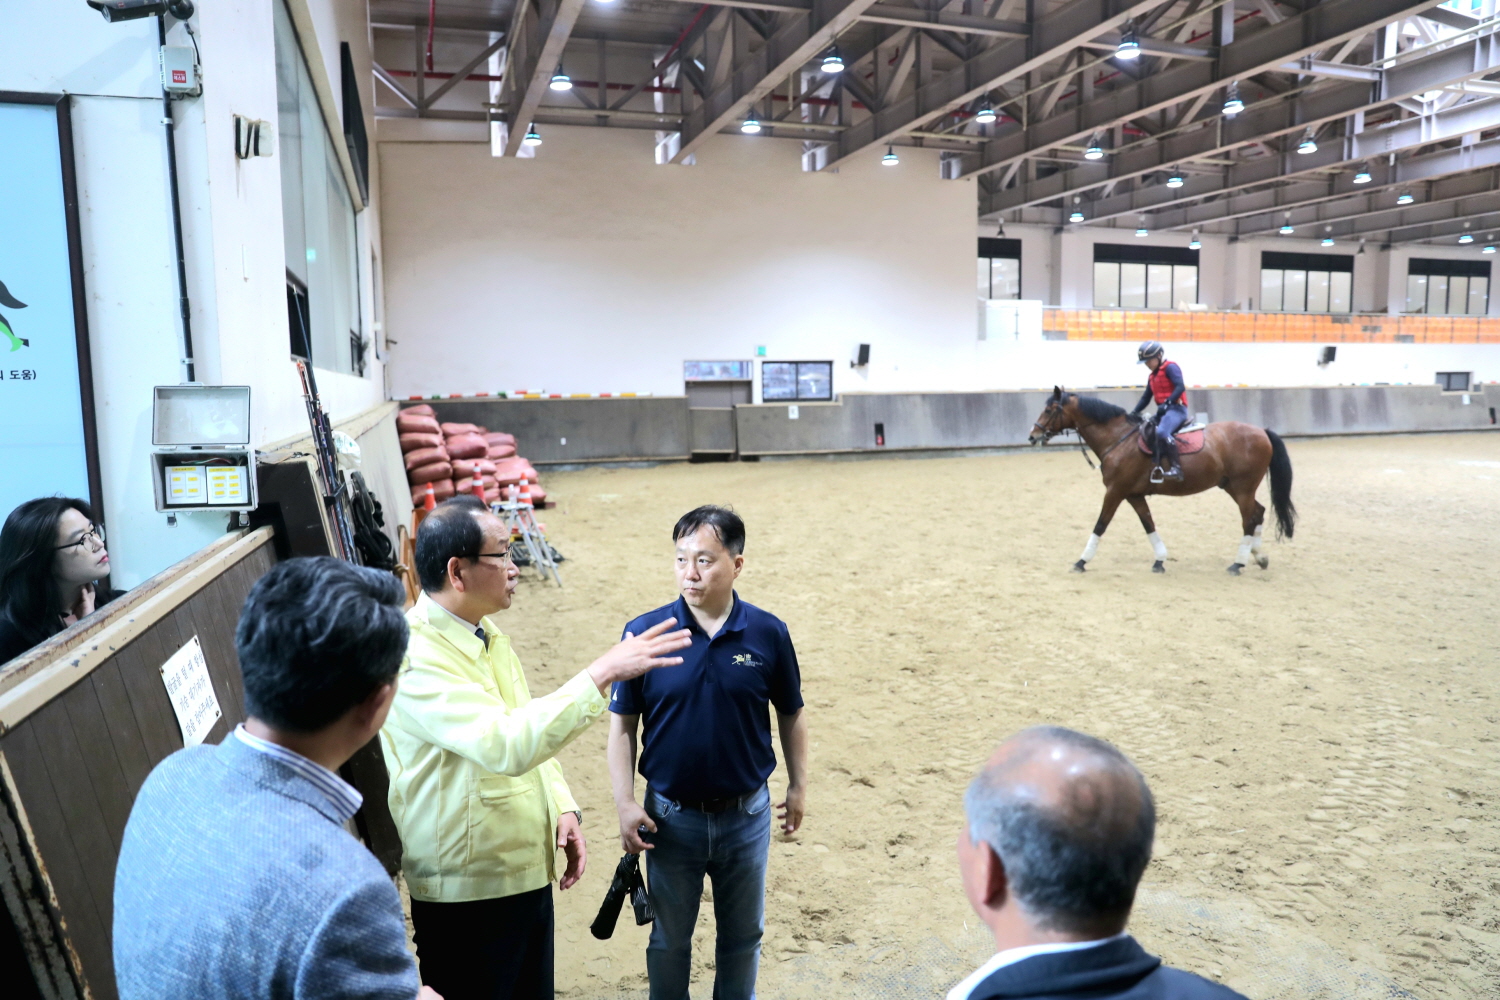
point(1321, 736)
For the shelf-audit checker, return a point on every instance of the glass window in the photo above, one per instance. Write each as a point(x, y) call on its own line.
point(1317, 291)
point(1437, 294)
point(1294, 291)
point(1340, 291)
point(1479, 297)
point(1270, 291)
point(1132, 286)
point(1005, 278)
point(1106, 285)
point(1158, 286)
point(1416, 293)
point(1184, 285)
point(1458, 294)
point(317, 213)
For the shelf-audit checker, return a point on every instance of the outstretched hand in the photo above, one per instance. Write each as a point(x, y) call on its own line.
point(639, 654)
point(570, 839)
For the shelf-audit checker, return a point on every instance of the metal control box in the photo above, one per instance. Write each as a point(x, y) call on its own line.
point(201, 457)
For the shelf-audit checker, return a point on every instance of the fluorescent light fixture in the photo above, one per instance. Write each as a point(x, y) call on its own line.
point(1363, 177)
point(1232, 103)
point(1077, 216)
point(1466, 238)
point(750, 126)
point(1405, 198)
point(561, 81)
point(890, 159)
point(1488, 249)
point(1327, 241)
point(985, 116)
point(832, 63)
point(1308, 144)
point(532, 137)
point(1175, 181)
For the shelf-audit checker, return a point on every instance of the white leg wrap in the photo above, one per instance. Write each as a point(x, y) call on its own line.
point(1157, 545)
point(1255, 545)
point(1091, 549)
point(1245, 543)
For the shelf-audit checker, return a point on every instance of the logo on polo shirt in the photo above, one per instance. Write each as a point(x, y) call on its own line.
point(746, 660)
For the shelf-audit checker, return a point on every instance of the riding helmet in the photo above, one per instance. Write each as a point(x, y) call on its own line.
point(1150, 349)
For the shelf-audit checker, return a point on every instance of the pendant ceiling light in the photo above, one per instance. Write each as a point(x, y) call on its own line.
point(1363, 177)
point(985, 116)
point(1466, 238)
point(750, 126)
point(1130, 44)
point(561, 81)
point(1232, 103)
point(1175, 181)
point(832, 62)
point(1077, 216)
point(1308, 144)
point(890, 159)
point(1195, 243)
point(532, 137)
point(1405, 198)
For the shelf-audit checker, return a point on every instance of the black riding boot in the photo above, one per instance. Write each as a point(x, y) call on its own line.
point(1172, 466)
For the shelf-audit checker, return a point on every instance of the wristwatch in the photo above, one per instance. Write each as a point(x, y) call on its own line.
point(579, 814)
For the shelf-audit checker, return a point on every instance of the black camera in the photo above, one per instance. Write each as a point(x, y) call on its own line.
point(627, 882)
point(130, 10)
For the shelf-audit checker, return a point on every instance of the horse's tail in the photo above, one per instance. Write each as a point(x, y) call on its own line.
point(1281, 486)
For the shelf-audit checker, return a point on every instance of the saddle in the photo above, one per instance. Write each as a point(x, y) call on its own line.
point(1189, 438)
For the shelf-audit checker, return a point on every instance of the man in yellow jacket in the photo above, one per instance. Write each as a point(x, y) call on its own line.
point(475, 792)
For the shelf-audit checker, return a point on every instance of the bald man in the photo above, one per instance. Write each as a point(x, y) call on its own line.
point(1058, 833)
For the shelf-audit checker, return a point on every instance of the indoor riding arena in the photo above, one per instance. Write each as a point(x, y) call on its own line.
point(1106, 390)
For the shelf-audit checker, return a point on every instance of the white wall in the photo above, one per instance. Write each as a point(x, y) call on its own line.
point(232, 231)
point(591, 269)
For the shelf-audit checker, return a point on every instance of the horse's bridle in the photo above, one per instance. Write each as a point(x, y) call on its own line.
point(1049, 432)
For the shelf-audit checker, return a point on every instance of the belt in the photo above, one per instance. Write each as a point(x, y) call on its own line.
point(715, 805)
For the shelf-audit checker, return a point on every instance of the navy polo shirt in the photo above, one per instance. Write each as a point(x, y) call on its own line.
point(706, 723)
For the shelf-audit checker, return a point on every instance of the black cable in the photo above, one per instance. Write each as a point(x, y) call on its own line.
point(182, 289)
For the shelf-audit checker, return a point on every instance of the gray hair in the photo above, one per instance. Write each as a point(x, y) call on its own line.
point(1074, 865)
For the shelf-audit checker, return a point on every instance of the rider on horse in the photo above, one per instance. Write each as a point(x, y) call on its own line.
point(1166, 387)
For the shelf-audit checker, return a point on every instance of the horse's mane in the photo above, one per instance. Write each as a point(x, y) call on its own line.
point(1098, 410)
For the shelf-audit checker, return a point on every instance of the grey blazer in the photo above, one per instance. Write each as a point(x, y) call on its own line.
point(237, 879)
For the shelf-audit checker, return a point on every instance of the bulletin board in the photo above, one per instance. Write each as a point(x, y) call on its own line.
point(49, 445)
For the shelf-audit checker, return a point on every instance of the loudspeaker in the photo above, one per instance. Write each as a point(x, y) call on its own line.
point(862, 358)
point(1329, 353)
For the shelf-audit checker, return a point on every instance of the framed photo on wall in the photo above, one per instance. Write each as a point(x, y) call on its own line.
point(46, 383)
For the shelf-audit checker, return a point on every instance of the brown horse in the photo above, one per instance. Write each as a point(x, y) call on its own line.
point(1235, 458)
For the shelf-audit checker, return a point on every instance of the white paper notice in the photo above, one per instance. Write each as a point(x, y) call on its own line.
point(191, 691)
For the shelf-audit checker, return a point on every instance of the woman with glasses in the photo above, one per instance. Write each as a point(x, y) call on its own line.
point(51, 558)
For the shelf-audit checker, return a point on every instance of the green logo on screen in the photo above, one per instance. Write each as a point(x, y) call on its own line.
point(11, 302)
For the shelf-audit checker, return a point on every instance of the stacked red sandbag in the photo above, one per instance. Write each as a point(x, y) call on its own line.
point(425, 454)
point(451, 455)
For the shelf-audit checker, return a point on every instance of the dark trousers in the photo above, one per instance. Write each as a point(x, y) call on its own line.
point(487, 949)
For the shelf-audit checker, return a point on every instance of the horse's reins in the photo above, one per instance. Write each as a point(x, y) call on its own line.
point(1048, 433)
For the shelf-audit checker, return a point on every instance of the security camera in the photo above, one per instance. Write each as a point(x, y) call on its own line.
point(130, 10)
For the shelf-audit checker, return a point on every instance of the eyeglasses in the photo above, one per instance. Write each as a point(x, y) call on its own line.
point(93, 537)
point(494, 555)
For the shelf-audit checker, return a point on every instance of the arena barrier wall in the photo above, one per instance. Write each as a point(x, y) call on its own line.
point(621, 429)
point(84, 717)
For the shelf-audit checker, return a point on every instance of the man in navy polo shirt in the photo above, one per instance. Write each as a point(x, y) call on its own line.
point(706, 754)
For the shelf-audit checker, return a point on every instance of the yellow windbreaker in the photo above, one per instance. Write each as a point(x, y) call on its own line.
point(474, 790)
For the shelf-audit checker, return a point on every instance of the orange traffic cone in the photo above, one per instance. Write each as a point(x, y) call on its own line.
point(478, 489)
point(525, 497)
point(429, 498)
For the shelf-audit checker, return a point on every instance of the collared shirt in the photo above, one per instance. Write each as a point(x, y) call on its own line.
point(344, 797)
point(706, 724)
point(1011, 956)
point(478, 630)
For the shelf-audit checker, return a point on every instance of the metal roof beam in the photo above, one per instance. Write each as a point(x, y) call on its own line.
point(1368, 208)
point(1326, 24)
point(800, 38)
point(1432, 71)
point(1052, 37)
point(1373, 145)
point(1428, 222)
point(538, 33)
point(964, 24)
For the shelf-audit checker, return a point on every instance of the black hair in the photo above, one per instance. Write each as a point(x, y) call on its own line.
point(450, 531)
point(1097, 409)
point(1074, 866)
point(316, 637)
point(28, 552)
point(725, 522)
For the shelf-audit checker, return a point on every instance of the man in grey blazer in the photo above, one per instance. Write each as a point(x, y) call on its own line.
point(237, 877)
